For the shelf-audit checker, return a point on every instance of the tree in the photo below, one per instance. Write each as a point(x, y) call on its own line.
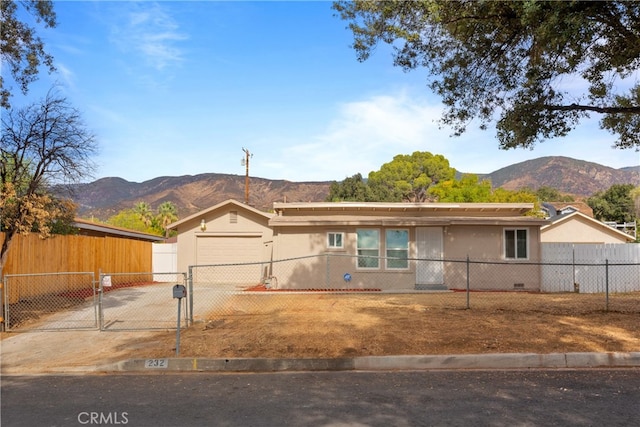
point(408, 177)
point(131, 220)
point(635, 195)
point(523, 195)
point(141, 218)
point(511, 60)
point(353, 189)
point(143, 210)
point(614, 204)
point(550, 194)
point(21, 50)
point(43, 144)
point(167, 213)
point(467, 189)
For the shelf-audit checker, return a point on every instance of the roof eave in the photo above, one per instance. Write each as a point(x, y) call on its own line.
point(199, 214)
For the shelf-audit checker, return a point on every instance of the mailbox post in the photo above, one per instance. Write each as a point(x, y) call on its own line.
point(179, 292)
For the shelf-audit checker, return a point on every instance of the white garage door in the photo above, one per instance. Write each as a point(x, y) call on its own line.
point(217, 250)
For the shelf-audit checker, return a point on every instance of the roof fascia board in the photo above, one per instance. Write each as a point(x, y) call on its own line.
point(218, 206)
point(408, 222)
point(116, 231)
point(388, 206)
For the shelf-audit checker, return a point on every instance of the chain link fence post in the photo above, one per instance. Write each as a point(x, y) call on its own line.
point(190, 285)
point(100, 293)
point(606, 283)
point(468, 284)
point(4, 308)
point(328, 271)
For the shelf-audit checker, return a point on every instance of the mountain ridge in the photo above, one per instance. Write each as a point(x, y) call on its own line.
point(191, 193)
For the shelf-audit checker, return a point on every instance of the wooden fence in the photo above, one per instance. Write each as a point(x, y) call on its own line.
point(31, 255)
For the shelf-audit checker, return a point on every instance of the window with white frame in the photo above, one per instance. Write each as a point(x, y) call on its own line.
point(368, 248)
point(516, 243)
point(335, 240)
point(397, 246)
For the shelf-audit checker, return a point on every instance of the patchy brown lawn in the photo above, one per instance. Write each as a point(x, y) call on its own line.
point(330, 325)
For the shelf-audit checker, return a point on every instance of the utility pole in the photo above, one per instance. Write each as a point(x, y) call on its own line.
point(245, 162)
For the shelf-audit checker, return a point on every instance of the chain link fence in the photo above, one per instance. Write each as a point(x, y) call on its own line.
point(267, 288)
point(50, 301)
point(140, 301)
point(144, 301)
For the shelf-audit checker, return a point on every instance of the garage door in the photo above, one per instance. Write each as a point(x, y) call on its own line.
point(217, 250)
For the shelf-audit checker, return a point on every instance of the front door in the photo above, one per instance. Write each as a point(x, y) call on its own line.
point(429, 267)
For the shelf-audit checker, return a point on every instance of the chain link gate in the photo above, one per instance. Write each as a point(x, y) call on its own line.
point(50, 301)
point(140, 301)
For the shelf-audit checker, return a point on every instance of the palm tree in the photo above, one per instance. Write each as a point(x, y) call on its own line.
point(167, 213)
point(143, 210)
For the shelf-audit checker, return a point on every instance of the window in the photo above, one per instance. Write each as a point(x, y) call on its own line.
point(516, 243)
point(397, 244)
point(368, 247)
point(335, 240)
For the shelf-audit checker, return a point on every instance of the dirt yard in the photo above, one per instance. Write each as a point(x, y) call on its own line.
point(329, 325)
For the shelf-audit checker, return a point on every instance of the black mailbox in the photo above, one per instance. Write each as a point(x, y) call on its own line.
point(179, 291)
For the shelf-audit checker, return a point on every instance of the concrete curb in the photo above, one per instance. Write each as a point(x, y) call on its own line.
point(381, 363)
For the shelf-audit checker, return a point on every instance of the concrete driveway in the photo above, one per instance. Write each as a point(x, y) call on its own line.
point(147, 307)
point(70, 340)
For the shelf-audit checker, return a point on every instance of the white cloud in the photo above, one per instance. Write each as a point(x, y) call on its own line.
point(364, 135)
point(67, 75)
point(149, 30)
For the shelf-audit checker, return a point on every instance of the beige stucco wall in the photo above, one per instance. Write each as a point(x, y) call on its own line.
point(325, 268)
point(486, 243)
point(218, 223)
point(294, 254)
point(579, 230)
point(478, 242)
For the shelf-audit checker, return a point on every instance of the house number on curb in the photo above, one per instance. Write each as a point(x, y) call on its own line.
point(156, 363)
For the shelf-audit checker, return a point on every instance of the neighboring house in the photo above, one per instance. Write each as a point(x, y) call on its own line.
point(88, 228)
point(552, 209)
point(576, 227)
point(388, 246)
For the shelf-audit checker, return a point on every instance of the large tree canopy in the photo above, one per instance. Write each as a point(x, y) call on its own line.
point(351, 189)
point(407, 178)
point(21, 50)
point(615, 204)
point(519, 62)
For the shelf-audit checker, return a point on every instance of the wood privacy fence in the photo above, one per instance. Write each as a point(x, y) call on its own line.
point(32, 255)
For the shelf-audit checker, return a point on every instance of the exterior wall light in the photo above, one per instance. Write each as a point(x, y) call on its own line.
point(203, 226)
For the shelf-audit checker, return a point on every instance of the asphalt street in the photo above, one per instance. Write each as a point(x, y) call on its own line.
point(584, 397)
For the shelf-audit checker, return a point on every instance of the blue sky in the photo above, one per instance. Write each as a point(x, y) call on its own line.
point(180, 88)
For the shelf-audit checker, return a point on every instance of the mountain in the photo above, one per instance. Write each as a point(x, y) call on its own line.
point(571, 176)
point(192, 193)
